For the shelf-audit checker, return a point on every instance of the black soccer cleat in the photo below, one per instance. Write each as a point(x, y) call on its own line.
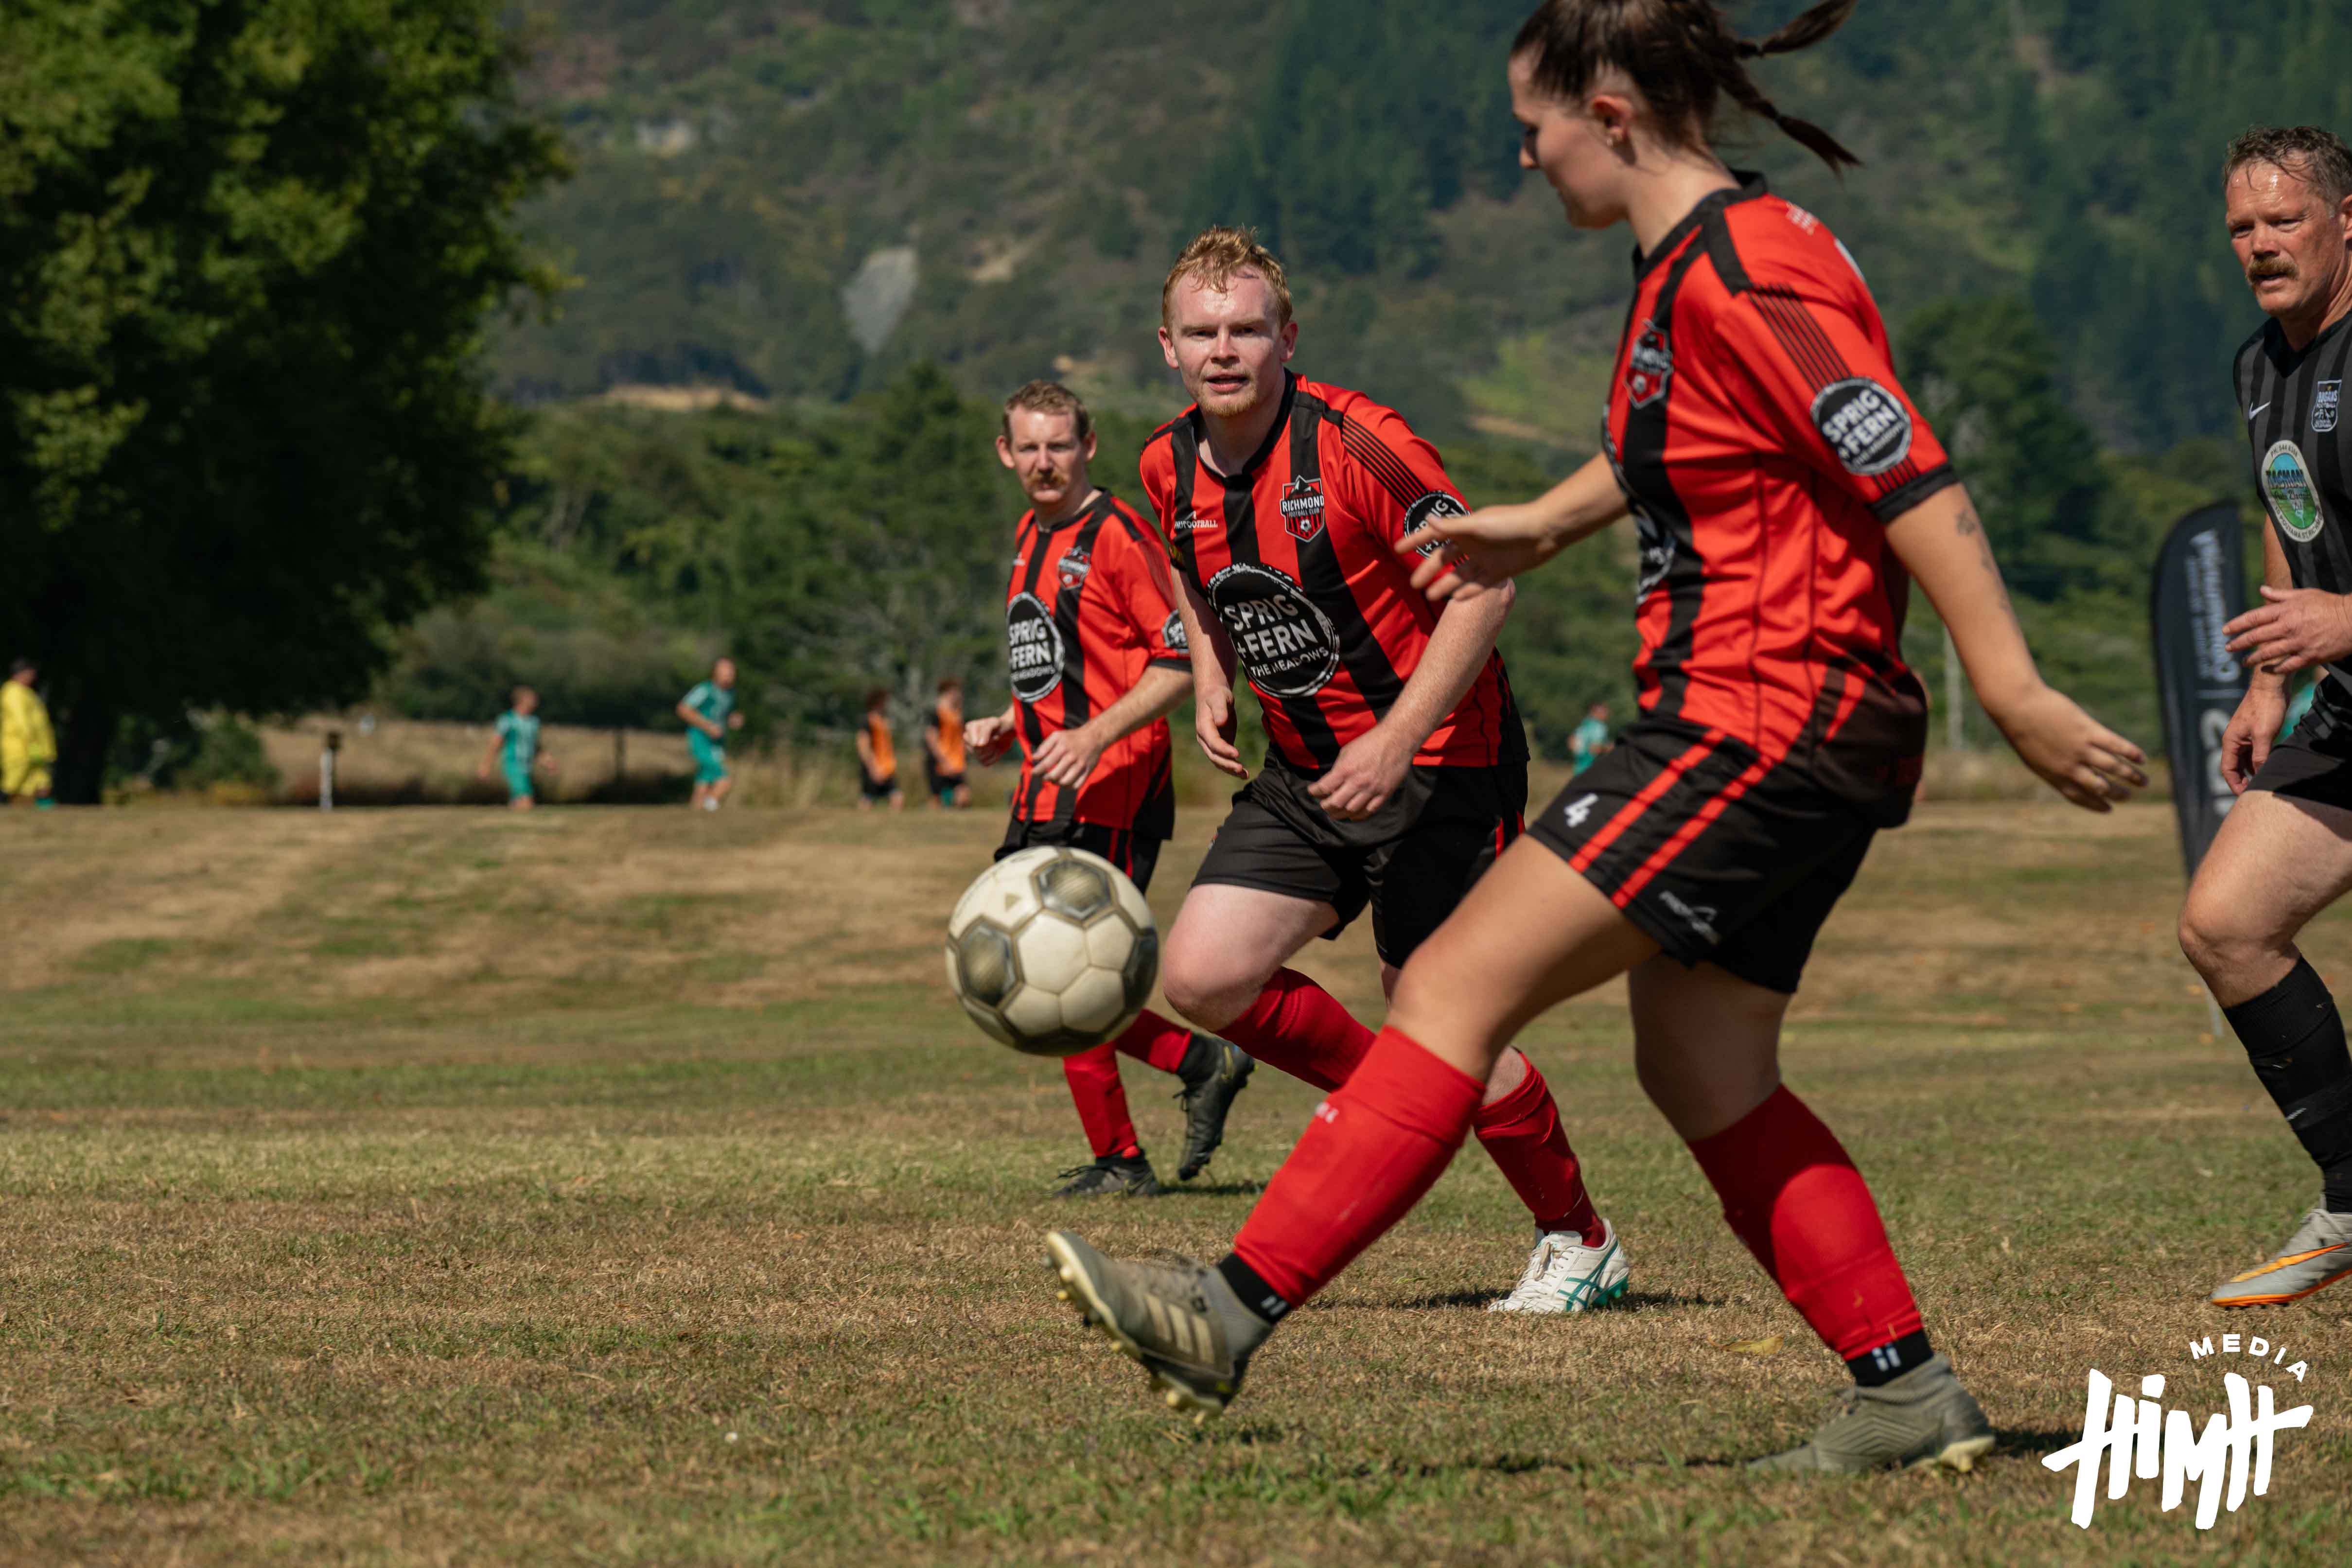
point(1110, 1178)
point(1209, 1092)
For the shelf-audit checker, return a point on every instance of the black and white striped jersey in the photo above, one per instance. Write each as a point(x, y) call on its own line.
point(2293, 402)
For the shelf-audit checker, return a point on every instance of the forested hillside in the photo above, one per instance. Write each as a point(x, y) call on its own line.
point(800, 200)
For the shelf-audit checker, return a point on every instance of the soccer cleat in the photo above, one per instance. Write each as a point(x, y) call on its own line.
point(1919, 1421)
point(1566, 1276)
point(2316, 1256)
point(1207, 1099)
point(1110, 1178)
point(1161, 1315)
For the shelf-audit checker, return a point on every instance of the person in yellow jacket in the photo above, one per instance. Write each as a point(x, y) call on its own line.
point(27, 744)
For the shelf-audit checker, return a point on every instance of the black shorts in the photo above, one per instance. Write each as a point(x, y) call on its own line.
point(2314, 763)
point(873, 788)
point(1718, 857)
point(1137, 856)
point(1413, 861)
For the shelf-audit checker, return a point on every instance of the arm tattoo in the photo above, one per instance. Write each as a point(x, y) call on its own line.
point(1966, 525)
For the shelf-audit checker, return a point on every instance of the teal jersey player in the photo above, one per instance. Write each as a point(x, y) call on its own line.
point(1589, 739)
point(710, 712)
point(514, 749)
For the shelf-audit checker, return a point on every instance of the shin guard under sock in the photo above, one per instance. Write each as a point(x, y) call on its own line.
point(1155, 1040)
point(1298, 1027)
point(1101, 1100)
point(1375, 1147)
point(1793, 1197)
point(2294, 1036)
point(1522, 1132)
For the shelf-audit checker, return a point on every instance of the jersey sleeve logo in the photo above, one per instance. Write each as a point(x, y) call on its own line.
point(1286, 642)
point(1171, 632)
point(1073, 567)
point(1866, 426)
point(2324, 408)
point(2295, 500)
point(1650, 366)
point(1302, 507)
point(1033, 646)
point(1436, 504)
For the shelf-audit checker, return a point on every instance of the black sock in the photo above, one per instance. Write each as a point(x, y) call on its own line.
point(1876, 1368)
point(2294, 1037)
point(1254, 1293)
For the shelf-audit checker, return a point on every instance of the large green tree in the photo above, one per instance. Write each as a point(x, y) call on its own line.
point(247, 252)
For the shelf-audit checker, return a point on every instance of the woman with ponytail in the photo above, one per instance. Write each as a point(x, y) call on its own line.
point(1786, 491)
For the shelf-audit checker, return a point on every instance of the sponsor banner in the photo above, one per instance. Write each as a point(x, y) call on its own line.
point(2200, 585)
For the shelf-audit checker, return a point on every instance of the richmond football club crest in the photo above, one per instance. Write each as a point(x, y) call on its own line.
point(1652, 366)
point(2324, 408)
point(1073, 567)
point(1302, 507)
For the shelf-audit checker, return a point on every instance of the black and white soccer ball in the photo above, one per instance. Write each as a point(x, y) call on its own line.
point(1053, 951)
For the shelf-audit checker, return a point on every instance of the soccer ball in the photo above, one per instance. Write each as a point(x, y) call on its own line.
point(1053, 951)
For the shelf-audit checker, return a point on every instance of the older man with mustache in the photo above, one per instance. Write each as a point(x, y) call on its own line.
point(2285, 851)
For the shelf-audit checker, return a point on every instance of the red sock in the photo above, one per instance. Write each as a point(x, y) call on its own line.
point(1375, 1146)
point(1152, 1038)
point(1522, 1132)
point(1298, 1027)
point(1795, 1198)
point(1093, 1077)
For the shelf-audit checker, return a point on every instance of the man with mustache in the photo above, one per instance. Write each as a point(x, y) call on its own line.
point(2285, 853)
point(1097, 659)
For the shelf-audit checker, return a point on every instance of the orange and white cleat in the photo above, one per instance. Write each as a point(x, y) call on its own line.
point(2316, 1256)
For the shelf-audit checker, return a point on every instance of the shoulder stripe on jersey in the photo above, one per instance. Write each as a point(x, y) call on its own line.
point(1381, 461)
point(1791, 321)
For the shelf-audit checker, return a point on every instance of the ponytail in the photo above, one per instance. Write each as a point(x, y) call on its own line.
point(1682, 55)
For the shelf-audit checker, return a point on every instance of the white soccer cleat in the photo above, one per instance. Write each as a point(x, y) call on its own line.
point(1566, 1276)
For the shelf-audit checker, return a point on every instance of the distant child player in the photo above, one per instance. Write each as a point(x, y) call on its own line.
point(878, 757)
point(514, 749)
point(1589, 741)
point(710, 712)
point(944, 757)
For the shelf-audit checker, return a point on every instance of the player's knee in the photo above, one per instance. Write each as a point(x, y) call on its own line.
point(1203, 987)
point(2214, 936)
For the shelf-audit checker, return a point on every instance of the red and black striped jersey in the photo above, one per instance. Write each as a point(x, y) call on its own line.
point(1296, 553)
point(1759, 433)
point(1090, 608)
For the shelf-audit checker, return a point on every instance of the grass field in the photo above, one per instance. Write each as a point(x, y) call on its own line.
point(609, 1186)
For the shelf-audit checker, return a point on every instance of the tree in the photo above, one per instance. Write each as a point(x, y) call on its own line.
point(246, 250)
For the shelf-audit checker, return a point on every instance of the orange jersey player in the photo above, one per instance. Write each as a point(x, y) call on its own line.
point(1785, 490)
point(1096, 654)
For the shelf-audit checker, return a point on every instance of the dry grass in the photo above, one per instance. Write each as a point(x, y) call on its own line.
point(619, 1186)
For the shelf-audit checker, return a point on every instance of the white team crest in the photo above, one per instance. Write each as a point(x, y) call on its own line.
point(2324, 410)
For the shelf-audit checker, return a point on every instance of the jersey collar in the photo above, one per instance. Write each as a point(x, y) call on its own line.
point(1265, 447)
point(1102, 498)
point(1751, 186)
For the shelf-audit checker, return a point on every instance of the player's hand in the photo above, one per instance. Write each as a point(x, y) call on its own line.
point(2075, 755)
point(1368, 773)
point(1068, 757)
point(2253, 730)
point(989, 738)
point(1479, 552)
point(1215, 725)
point(2297, 629)
point(734, 721)
point(481, 770)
